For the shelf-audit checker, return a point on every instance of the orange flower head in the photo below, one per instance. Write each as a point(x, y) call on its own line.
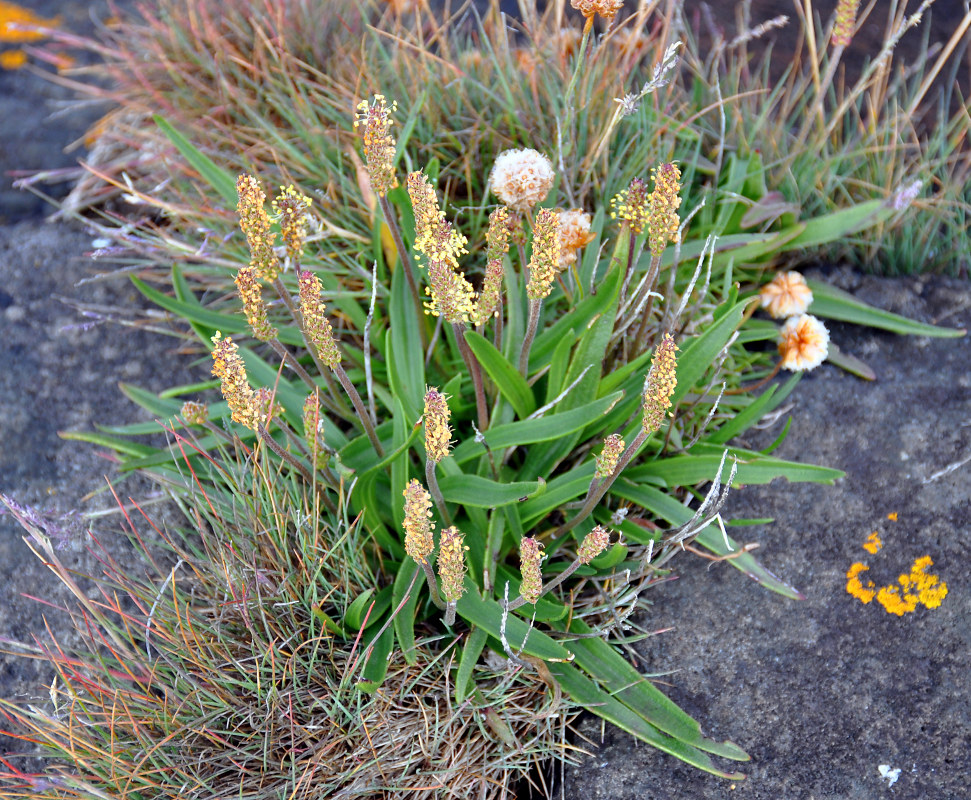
point(786, 295)
point(605, 8)
point(575, 234)
point(803, 343)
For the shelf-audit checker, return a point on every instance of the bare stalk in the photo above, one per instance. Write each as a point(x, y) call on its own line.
point(403, 257)
point(534, 306)
point(432, 585)
point(472, 364)
point(358, 404)
point(432, 480)
point(547, 587)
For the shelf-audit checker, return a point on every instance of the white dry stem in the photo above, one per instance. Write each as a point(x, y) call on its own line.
point(158, 598)
point(709, 250)
point(540, 411)
point(708, 419)
point(367, 344)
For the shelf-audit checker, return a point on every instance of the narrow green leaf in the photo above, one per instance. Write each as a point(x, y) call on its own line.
point(479, 492)
point(700, 352)
point(833, 303)
point(406, 360)
point(354, 615)
point(404, 620)
point(123, 446)
point(579, 688)
point(163, 409)
point(376, 667)
point(507, 378)
point(471, 651)
point(754, 411)
point(223, 182)
point(712, 538)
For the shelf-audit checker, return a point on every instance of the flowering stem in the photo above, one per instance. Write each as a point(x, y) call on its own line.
point(403, 257)
point(432, 585)
point(432, 480)
point(274, 445)
point(450, 613)
point(358, 404)
point(472, 363)
point(630, 262)
point(597, 491)
point(284, 295)
point(534, 306)
point(519, 601)
point(641, 335)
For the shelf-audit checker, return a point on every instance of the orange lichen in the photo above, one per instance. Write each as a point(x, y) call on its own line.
point(19, 24)
point(873, 544)
point(855, 586)
point(892, 516)
point(12, 59)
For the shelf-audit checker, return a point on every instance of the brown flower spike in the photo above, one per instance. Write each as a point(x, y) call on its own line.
point(255, 224)
point(253, 305)
point(315, 321)
point(594, 543)
point(228, 367)
point(437, 432)
point(660, 384)
point(497, 237)
point(451, 563)
point(607, 460)
point(845, 22)
point(418, 527)
point(631, 205)
point(291, 208)
point(530, 559)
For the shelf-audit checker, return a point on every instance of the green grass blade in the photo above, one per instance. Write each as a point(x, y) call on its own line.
point(471, 651)
point(507, 378)
point(219, 179)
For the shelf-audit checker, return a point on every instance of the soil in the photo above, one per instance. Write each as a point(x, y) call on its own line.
point(823, 693)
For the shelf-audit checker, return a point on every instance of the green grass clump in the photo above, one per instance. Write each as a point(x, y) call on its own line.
point(458, 440)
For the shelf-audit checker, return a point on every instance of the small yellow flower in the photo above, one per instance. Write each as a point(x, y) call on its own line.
point(530, 559)
point(660, 384)
point(574, 235)
point(255, 224)
point(315, 321)
point(194, 413)
point(438, 434)
point(419, 542)
point(631, 205)
point(786, 295)
point(845, 22)
point(451, 563)
point(607, 460)
point(803, 343)
point(379, 144)
point(521, 178)
point(605, 8)
point(253, 305)
point(545, 255)
point(594, 543)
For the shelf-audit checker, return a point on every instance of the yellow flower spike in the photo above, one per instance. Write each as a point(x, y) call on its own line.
point(255, 224)
point(438, 434)
point(379, 144)
point(228, 367)
point(253, 305)
point(292, 209)
point(856, 588)
point(424, 204)
point(607, 460)
point(845, 22)
point(451, 563)
point(497, 238)
point(594, 543)
point(315, 322)
point(545, 256)
point(631, 205)
point(419, 542)
point(660, 384)
point(786, 295)
point(194, 413)
point(313, 429)
point(530, 559)
point(663, 221)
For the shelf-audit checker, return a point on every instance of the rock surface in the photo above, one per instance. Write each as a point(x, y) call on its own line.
point(823, 692)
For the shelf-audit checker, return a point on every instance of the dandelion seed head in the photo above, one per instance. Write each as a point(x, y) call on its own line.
point(521, 178)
